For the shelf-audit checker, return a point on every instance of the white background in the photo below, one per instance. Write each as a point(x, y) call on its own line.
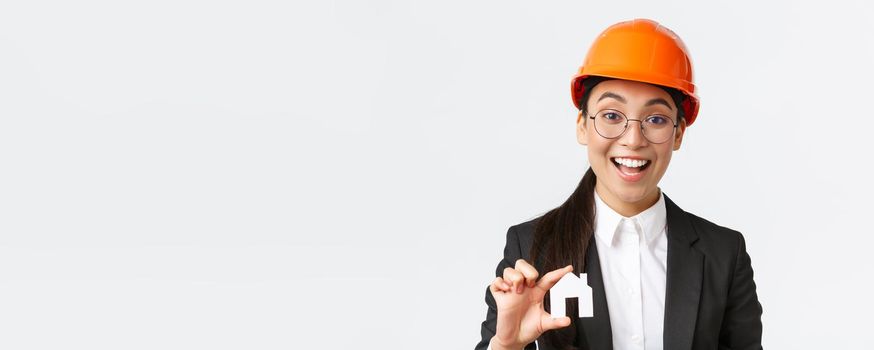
point(266, 175)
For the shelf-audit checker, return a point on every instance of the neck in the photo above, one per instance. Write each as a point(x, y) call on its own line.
point(623, 207)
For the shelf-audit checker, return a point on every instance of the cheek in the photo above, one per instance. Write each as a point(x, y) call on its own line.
point(597, 152)
point(664, 157)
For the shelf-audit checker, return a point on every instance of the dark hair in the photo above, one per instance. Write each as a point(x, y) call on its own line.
point(562, 235)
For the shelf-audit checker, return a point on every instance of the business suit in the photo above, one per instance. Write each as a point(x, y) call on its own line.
point(710, 299)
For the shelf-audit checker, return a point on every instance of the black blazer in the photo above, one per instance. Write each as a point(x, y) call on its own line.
point(710, 301)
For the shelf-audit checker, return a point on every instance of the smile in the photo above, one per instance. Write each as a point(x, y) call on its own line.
point(630, 169)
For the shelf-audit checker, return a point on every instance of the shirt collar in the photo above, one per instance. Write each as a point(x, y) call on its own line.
point(652, 221)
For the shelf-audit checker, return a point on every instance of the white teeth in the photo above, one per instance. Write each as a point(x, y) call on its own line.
point(631, 163)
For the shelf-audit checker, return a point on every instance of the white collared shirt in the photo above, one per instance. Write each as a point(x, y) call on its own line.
point(633, 253)
point(634, 271)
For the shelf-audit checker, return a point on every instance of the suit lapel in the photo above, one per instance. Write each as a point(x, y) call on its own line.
point(597, 331)
point(684, 278)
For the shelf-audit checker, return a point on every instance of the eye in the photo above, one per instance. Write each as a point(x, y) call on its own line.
point(612, 117)
point(658, 120)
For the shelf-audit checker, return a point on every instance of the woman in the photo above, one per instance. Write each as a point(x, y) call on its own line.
point(661, 278)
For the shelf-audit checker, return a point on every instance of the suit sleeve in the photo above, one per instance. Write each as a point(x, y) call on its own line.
point(742, 323)
point(512, 252)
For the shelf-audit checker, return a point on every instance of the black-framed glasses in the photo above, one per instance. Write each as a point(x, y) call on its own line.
point(612, 124)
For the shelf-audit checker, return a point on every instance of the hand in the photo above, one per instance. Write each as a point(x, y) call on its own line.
point(519, 299)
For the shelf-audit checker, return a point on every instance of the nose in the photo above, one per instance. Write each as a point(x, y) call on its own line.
point(633, 137)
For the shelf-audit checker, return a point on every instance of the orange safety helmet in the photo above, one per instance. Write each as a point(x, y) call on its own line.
point(640, 50)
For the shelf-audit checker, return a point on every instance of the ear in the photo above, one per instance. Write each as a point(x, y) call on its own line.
point(582, 133)
point(678, 136)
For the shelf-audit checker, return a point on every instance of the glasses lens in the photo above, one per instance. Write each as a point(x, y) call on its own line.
point(658, 128)
point(610, 123)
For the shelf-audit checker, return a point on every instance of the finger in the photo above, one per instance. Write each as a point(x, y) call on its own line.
point(549, 323)
point(528, 271)
point(515, 278)
point(499, 285)
point(551, 278)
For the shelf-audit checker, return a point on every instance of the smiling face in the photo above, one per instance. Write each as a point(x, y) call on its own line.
point(629, 167)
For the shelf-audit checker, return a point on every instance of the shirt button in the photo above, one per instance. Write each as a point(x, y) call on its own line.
point(635, 338)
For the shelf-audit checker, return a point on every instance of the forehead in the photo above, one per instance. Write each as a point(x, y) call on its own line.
point(634, 92)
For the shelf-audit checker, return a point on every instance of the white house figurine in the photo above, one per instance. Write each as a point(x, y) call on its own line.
point(571, 286)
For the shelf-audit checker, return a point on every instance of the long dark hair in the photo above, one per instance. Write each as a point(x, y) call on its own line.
point(562, 235)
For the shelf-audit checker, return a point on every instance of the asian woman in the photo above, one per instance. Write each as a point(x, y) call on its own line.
point(661, 277)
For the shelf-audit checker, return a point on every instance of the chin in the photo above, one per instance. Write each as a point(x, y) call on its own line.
point(631, 195)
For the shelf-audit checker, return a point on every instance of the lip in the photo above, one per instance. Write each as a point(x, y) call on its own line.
point(630, 177)
point(629, 157)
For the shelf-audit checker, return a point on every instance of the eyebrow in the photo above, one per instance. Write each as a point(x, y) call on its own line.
point(658, 101)
point(609, 94)
point(655, 101)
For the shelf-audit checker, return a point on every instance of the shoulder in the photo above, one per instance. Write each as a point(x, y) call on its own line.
point(712, 230)
point(520, 238)
point(715, 239)
point(706, 236)
point(525, 229)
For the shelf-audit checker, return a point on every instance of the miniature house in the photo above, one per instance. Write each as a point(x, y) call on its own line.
point(571, 286)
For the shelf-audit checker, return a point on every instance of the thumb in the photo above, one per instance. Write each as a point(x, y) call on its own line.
point(548, 323)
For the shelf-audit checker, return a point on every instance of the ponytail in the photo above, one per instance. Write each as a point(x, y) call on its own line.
point(561, 237)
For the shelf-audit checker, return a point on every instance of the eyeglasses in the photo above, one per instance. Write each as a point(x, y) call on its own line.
point(612, 124)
